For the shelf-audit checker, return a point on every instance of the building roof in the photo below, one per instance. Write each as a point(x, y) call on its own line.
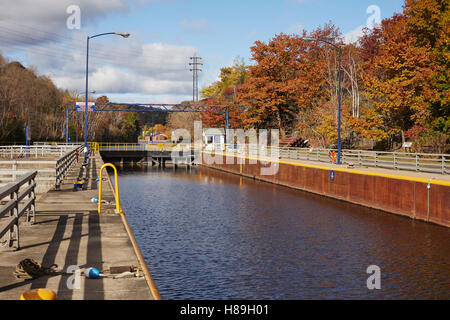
point(214, 131)
point(156, 135)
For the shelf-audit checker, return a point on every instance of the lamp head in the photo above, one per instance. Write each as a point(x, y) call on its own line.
point(123, 34)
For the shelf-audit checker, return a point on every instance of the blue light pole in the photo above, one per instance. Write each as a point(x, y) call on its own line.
point(67, 125)
point(86, 146)
point(339, 97)
point(76, 114)
point(27, 139)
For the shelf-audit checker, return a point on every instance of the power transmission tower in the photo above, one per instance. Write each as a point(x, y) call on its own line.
point(195, 69)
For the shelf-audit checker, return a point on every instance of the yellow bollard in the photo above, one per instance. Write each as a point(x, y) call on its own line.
point(116, 182)
point(38, 294)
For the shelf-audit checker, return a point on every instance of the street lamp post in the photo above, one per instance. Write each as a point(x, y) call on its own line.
point(339, 97)
point(122, 34)
point(76, 119)
point(76, 115)
point(67, 125)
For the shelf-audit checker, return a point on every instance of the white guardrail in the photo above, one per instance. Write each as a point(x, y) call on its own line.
point(62, 158)
point(40, 151)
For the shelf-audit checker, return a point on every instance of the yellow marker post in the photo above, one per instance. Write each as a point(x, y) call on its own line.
point(116, 183)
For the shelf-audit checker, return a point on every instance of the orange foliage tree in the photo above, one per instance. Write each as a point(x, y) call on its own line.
point(397, 82)
point(294, 85)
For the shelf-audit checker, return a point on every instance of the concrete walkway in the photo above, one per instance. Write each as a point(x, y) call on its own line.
point(70, 232)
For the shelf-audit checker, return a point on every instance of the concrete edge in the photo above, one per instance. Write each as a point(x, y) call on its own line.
point(137, 251)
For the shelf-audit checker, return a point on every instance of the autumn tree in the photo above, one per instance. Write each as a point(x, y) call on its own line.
point(397, 80)
point(277, 85)
point(394, 82)
point(230, 77)
point(28, 99)
point(183, 120)
point(294, 85)
point(429, 22)
point(224, 93)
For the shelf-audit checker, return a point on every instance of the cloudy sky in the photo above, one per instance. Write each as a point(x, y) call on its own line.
point(152, 66)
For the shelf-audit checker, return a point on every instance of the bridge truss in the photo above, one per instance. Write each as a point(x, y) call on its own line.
point(149, 107)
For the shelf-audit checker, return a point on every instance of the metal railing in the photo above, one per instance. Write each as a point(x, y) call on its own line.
point(135, 146)
point(419, 162)
point(40, 151)
point(56, 144)
point(49, 170)
point(66, 162)
point(16, 207)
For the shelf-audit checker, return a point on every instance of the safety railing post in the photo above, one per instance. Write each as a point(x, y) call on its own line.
point(116, 182)
point(443, 165)
point(13, 236)
point(31, 211)
point(395, 160)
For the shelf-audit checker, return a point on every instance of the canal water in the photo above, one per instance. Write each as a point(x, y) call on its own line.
point(211, 235)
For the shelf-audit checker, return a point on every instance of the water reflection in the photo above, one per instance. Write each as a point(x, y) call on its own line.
point(207, 234)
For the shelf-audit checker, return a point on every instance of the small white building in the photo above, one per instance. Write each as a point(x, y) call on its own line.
point(214, 137)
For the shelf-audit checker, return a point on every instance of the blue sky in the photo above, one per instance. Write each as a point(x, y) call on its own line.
point(164, 34)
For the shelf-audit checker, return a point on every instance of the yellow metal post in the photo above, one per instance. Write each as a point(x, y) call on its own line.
point(116, 182)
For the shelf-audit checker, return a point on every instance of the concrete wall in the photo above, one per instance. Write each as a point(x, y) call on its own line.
point(10, 171)
point(399, 196)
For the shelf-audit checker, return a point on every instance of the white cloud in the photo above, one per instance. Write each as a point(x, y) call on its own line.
point(19, 17)
point(110, 79)
point(155, 68)
point(147, 98)
point(354, 35)
point(199, 26)
point(373, 21)
point(117, 66)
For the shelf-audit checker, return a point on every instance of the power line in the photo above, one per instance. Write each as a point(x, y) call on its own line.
point(195, 63)
point(68, 43)
point(62, 46)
